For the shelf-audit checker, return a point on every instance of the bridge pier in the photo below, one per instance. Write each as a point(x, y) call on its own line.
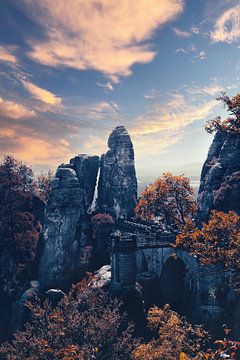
point(123, 260)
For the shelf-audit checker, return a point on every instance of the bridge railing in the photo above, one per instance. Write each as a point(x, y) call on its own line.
point(153, 241)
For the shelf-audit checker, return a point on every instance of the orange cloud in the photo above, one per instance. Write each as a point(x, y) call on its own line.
point(106, 35)
point(33, 149)
point(6, 54)
point(14, 110)
point(42, 94)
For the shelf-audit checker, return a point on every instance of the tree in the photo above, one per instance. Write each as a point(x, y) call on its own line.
point(173, 337)
point(103, 225)
point(19, 225)
point(102, 220)
point(216, 242)
point(84, 325)
point(42, 185)
point(232, 123)
point(170, 198)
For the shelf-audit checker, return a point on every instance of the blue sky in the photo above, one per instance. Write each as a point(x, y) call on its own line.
point(72, 70)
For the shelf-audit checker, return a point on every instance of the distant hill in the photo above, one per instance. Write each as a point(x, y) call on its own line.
point(147, 175)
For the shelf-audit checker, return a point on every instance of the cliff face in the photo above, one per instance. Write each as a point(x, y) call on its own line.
point(117, 188)
point(67, 229)
point(220, 178)
point(68, 244)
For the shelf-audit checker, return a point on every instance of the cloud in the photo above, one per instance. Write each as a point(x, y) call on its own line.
point(152, 94)
point(212, 90)
point(190, 49)
point(106, 86)
point(42, 94)
point(194, 30)
point(13, 110)
point(99, 110)
point(104, 35)
point(6, 54)
point(164, 123)
point(31, 147)
point(181, 33)
point(227, 26)
point(202, 55)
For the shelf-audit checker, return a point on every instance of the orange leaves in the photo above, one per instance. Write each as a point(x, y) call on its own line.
point(169, 199)
point(218, 241)
point(232, 123)
point(173, 337)
point(100, 219)
point(86, 324)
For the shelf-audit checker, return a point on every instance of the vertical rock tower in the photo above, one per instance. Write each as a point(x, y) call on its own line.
point(67, 238)
point(67, 229)
point(117, 188)
point(220, 178)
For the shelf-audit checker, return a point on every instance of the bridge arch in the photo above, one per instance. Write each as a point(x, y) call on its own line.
point(172, 284)
point(170, 276)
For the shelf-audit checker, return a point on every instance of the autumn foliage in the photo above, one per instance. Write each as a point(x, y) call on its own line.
point(102, 220)
point(173, 337)
point(216, 242)
point(20, 227)
point(84, 325)
point(170, 199)
point(232, 123)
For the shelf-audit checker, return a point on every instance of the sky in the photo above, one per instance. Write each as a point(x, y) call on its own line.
point(72, 70)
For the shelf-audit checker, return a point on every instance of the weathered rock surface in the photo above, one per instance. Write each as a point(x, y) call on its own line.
point(20, 311)
point(117, 189)
point(86, 168)
point(101, 278)
point(220, 178)
point(67, 230)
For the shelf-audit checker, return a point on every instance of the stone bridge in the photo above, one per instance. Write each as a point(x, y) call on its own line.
point(167, 274)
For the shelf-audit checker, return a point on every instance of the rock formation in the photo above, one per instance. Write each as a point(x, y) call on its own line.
point(117, 189)
point(67, 238)
point(220, 178)
point(67, 229)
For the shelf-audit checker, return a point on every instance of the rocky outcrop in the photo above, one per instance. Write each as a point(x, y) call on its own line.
point(220, 178)
point(86, 168)
point(117, 189)
point(20, 311)
point(67, 230)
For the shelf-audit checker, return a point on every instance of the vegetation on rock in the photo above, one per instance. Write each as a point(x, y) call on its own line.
point(102, 220)
point(216, 242)
point(232, 123)
point(170, 199)
point(84, 325)
point(20, 227)
point(173, 337)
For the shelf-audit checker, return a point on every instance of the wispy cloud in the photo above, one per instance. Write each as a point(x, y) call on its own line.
point(227, 26)
point(152, 94)
point(202, 55)
point(13, 110)
point(189, 49)
point(108, 86)
point(33, 148)
point(105, 35)
point(194, 30)
point(99, 110)
point(42, 94)
point(164, 123)
point(7, 54)
point(212, 89)
point(181, 33)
